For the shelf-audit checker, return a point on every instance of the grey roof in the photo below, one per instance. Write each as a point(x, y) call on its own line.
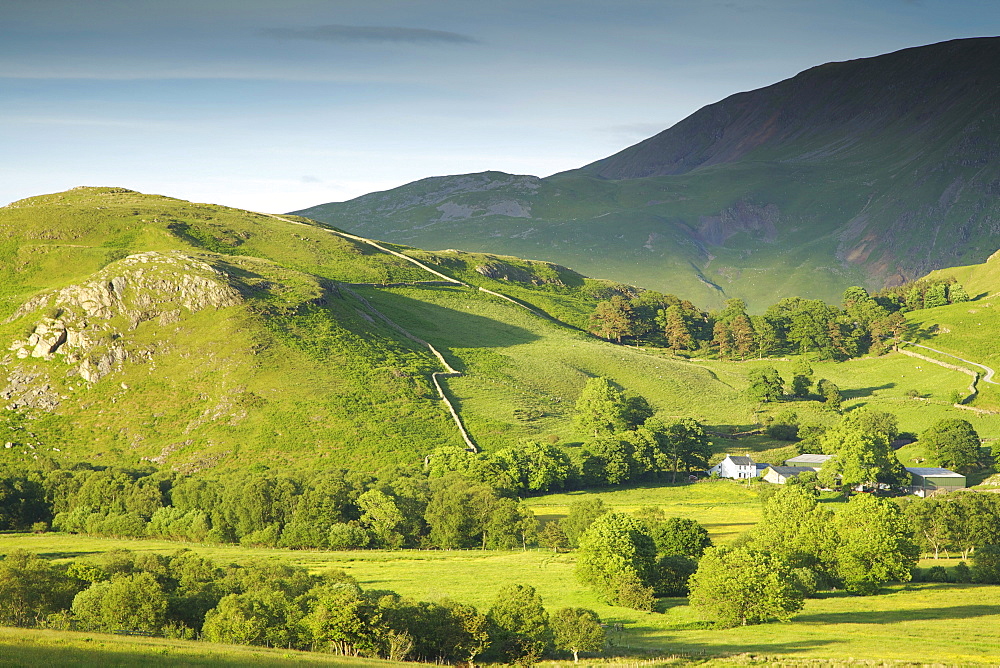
point(791, 470)
point(808, 459)
point(740, 460)
point(933, 472)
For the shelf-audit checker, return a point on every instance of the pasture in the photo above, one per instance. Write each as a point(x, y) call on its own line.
point(943, 624)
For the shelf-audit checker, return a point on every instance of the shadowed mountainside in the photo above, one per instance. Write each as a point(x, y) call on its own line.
point(869, 172)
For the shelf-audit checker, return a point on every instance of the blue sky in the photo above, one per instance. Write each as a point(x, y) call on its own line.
point(278, 105)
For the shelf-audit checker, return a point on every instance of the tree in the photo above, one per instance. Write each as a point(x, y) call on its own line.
point(876, 545)
point(859, 458)
point(675, 328)
point(986, 564)
point(929, 522)
point(765, 385)
point(601, 408)
point(519, 625)
point(676, 535)
point(616, 548)
point(131, 602)
point(873, 422)
point(744, 586)
point(474, 627)
point(722, 339)
point(741, 331)
point(936, 295)
point(582, 514)
point(382, 518)
point(954, 442)
point(454, 512)
point(832, 398)
point(553, 536)
point(972, 520)
point(802, 375)
point(767, 338)
point(957, 294)
point(612, 319)
point(795, 527)
point(259, 616)
point(32, 588)
point(578, 630)
point(342, 619)
point(535, 467)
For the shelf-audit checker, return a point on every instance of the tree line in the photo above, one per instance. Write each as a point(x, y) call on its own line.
point(799, 548)
point(277, 605)
point(862, 324)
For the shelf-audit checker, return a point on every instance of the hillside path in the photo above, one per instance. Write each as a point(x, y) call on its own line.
point(443, 277)
point(986, 378)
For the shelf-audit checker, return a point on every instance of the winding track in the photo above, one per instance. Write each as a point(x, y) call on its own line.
point(449, 372)
point(986, 378)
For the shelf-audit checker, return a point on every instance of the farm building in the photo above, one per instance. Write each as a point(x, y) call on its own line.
point(736, 466)
point(779, 475)
point(928, 480)
point(812, 461)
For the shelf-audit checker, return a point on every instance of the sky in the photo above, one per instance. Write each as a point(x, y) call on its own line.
point(277, 105)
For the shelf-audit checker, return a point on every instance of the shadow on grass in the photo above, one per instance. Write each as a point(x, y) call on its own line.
point(724, 646)
point(68, 555)
point(897, 616)
point(859, 392)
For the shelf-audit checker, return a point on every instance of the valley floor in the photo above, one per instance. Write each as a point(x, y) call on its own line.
point(940, 624)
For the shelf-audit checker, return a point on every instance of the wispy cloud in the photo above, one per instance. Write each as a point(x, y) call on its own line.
point(384, 34)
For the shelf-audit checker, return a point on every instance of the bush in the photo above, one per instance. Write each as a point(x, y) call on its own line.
point(986, 564)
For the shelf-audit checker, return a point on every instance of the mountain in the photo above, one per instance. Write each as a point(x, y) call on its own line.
point(867, 172)
point(137, 327)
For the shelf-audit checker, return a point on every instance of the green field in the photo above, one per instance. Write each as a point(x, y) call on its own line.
point(943, 624)
point(725, 508)
point(32, 647)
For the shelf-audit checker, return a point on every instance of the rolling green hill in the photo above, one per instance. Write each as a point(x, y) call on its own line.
point(143, 327)
point(139, 327)
point(868, 172)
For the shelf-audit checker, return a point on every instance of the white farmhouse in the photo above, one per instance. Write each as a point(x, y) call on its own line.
point(736, 466)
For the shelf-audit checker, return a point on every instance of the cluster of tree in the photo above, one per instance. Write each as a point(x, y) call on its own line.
point(627, 443)
point(798, 548)
point(767, 386)
point(960, 522)
point(276, 605)
point(925, 293)
point(861, 443)
point(327, 509)
point(629, 560)
point(863, 323)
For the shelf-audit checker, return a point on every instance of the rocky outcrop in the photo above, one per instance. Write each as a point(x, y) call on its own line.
point(86, 326)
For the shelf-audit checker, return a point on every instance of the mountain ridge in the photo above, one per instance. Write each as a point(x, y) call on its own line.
point(868, 172)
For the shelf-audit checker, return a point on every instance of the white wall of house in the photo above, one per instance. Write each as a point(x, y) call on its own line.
point(727, 468)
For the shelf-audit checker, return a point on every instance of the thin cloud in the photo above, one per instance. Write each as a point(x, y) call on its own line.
point(371, 34)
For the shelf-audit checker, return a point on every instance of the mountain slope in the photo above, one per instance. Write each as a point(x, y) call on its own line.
point(137, 327)
point(872, 172)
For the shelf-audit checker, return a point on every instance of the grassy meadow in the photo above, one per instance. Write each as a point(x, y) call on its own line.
point(939, 624)
point(34, 647)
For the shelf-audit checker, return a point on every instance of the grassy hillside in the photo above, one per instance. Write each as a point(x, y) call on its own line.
point(200, 335)
point(858, 173)
point(141, 327)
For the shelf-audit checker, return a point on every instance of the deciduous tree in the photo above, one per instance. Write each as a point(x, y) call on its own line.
point(744, 586)
point(578, 630)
